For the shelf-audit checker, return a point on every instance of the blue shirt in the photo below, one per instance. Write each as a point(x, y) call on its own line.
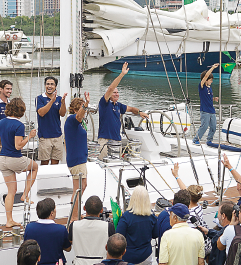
point(109, 119)
point(49, 124)
point(52, 239)
point(2, 109)
point(9, 128)
point(76, 142)
point(113, 261)
point(217, 257)
point(163, 224)
point(206, 98)
point(138, 231)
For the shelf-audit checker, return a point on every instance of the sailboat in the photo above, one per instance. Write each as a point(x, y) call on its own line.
point(114, 177)
point(187, 40)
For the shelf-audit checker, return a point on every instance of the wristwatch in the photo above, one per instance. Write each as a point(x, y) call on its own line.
point(84, 108)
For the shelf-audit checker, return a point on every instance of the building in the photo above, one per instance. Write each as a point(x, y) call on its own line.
point(47, 6)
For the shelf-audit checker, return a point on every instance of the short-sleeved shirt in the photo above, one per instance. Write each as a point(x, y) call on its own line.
point(206, 98)
point(181, 245)
point(76, 142)
point(49, 124)
point(138, 231)
point(2, 109)
point(9, 128)
point(52, 239)
point(197, 212)
point(227, 237)
point(109, 119)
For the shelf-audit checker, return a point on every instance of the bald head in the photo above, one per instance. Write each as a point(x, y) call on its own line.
point(116, 246)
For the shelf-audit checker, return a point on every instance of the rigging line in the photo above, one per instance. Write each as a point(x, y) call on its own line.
point(220, 93)
point(164, 65)
point(191, 113)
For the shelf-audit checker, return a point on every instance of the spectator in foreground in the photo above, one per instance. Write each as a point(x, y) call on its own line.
point(51, 237)
point(218, 257)
point(181, 245)
point(138, 225)
point(89, 235)
point(116, 248)
point(28, 253)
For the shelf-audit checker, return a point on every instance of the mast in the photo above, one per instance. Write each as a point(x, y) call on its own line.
point(70, 45)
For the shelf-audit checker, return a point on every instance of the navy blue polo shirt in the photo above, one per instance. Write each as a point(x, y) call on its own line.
point(9, 128)
point(206, 99)
point(76, 142)
point(2, 109)
point(109, 119)
point(49, 124)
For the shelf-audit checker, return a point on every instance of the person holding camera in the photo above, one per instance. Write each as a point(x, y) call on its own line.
point(89, 235)
point(218, 257)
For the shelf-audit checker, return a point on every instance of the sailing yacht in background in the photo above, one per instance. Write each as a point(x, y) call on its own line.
point(187, 40)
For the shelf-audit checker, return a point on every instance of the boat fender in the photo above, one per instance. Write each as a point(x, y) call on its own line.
point(7, 37)
point(15, 37)
point(227, 134)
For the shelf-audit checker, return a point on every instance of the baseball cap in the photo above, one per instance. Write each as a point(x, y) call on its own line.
point(180, 210)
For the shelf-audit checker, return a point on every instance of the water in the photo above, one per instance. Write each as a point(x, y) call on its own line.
point(143, 92)
point(46, 41)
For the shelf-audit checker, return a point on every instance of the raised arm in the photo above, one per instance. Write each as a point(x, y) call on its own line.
point(62, 109)
point(116, 82)
point(175, 174)
point(20, 142)
point(81, 113)
point(233, 171)
point(208, 74)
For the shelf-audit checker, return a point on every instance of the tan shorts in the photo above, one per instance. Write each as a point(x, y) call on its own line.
point(81, 168)
point(102, 142)
point(50, 148)
point(11, 165)
point(104, 152)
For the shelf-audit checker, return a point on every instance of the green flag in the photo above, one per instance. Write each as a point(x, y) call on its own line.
point(228, 54)
point(116, 211)
point(186, 2)
point(228, 67)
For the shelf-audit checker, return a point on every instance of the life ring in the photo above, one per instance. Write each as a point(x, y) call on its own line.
point(7, 37)
point(15, 37)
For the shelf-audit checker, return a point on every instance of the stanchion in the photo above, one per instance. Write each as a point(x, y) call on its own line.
point(16, 236)
point(1, 238)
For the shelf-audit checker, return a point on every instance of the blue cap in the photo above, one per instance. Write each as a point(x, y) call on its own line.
point(180, 210)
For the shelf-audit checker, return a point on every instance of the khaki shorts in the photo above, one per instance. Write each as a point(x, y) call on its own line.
point(50, 148)
point(81, 168)
point(104, 152)
point(11, 165)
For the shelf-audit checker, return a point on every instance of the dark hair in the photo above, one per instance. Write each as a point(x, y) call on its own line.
point(3, 83)
point(51, 77)
point(28, 253)
point(93, 205)
point(45, 207)
point(75, 105)
point(182, 196)
point(227, 209)
point(204, 73)
point(116, 245)
point(16, 107)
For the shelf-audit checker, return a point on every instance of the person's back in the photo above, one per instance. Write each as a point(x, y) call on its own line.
point(51, 239)
point(89, 239)
point(89, 235)
point(183, 248)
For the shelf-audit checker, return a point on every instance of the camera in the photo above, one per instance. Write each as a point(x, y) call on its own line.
point(236, 209)
point(105, 215)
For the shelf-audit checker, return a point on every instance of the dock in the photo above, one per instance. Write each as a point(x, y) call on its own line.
point(28, 70)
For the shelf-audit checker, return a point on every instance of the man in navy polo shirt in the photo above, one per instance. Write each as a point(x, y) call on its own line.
point(207, 111)
point(109, 113)
point(51, 237)
point(49, 108)
point(5, 93)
